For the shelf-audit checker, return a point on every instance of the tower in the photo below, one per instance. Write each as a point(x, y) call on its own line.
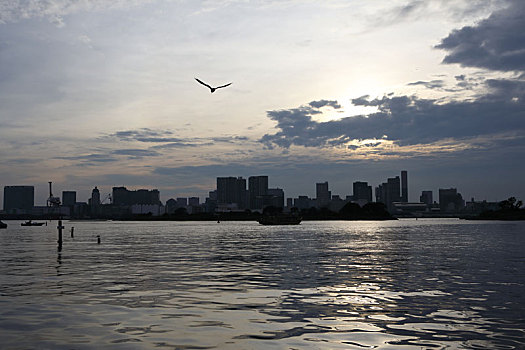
point(404, 186)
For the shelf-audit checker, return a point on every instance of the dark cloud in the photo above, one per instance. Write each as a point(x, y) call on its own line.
point(496, 43)
point(407, 120)
point(136, 153)
point(91, 159)
point(323, 103)
point(147, 135)
point(176, 145)
point(433, 84)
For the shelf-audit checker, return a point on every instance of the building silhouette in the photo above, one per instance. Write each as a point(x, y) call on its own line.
point(404, 186)
point(258, 189)
point(450, 200)
point(94, 202)
point(362, 192)
point(389, 192)
point(123, 197)
point(69, 198)
point(426, 197)
point(323, 195)
point(275, 198)
point(231, 192)
point(19, 199)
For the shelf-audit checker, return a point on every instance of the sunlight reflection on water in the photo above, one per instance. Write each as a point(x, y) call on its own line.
point(404, 284)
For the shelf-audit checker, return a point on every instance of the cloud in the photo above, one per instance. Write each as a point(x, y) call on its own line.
point(407, 120)
point(136, 153)
point(93, 158)
point(166, 140)
point(54, 10)
point(496, 43)
point(433, 84)
point(323, 103)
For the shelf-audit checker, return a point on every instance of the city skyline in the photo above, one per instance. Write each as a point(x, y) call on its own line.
point(392, 189)
point(103, 94)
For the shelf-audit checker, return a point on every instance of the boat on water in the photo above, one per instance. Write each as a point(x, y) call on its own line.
point(3, 224)
point(281, 219)
point(32, 223)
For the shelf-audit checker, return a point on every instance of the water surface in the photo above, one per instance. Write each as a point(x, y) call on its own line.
point(403, 284)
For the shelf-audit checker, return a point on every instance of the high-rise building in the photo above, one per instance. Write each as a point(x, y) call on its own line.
point(124, 197)
point(404, 186)
point(426, 197)
point(94, 202)
point(182, 202)
point(362, 192)
point(276, 197)
point(19, 198)
point(323, 195)
point(194, 201)
point(389, 192)
point(257, 188)
point(69, 198)
point(232, 190)
point(450, 200)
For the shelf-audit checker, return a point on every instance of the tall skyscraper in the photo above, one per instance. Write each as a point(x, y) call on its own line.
point(323, 195)
point(232, 190)
point(404, 186)
point(95, 202)
point(19, 197)
point(257, 188)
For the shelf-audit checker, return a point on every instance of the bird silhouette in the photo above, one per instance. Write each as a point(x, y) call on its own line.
point(212, 89)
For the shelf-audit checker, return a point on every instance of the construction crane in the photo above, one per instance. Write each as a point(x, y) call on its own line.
point(52, 201)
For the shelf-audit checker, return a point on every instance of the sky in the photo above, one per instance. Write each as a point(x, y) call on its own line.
point(102, 93)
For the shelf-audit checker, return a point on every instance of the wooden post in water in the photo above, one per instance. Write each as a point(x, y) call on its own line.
point(60, 228)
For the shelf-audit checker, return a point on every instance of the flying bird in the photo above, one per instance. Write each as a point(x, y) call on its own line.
point(212, 89)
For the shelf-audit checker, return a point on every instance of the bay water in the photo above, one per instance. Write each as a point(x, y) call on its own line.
point(406, 284)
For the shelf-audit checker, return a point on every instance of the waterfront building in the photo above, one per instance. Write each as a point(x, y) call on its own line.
point(404, 186)
point(426, 197)
point(19, 199)
point(450, 200)
point(171, 205)
point(323, 195)
point(362, 192)
point(124, 197)
point(182, 202)
point(193, 201)
point(275, 197)
point(257, 188)
point(231, 190)
point(303, 202)
point(69, 198)
point(94, 202)
point(389, 192)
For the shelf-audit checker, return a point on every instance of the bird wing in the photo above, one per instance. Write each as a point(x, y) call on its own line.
point(218, 87)
point(203, 83)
